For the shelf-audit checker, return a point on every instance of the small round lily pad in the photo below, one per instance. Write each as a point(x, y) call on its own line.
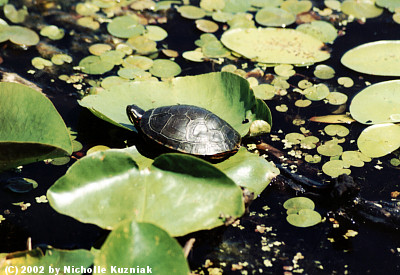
point(379, 140)
point(324, 72)
point(93, 64)
point(155, 33)
point(338, 130)
point(264, 91)
point(206, 25)
point(125, 26)
point(195, 56)
point(330, 148)
point(336, 98)
point(274, 17)
point(305, 218)
point(316, 92)
point(165, 68)
point(191, 12)
point(52, 32)
point(335, 168)
point(299, 203)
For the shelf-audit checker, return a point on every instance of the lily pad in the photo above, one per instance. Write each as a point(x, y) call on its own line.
point(191, 12)
point(94, 64)
point(125, 26)
point(245, 165)
point(376, 58)
point(379, 140)
point(236, 6)
point(305, 218)
point(335, 168)
point(321, 30)
point(179, 193)
point(378, 103)
point(299, 203)
point(30, 127)
point(35, 262)
point(165, 68)
point(52, 32)
point(361, 9)
point(273, 45)
point(144, 247)
point(274, 17)
point(330, 148)
point(301, 212)
point(296, 7)
point(391, 5)
point(225, 94)
point(19, 35)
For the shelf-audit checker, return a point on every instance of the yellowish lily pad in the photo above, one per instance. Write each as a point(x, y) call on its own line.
point(376, 58)
point(379, 140)
point(273, 45)
point(274, 17)
point(378, 103)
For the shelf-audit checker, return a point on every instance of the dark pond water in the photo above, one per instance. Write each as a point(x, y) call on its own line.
point(323, 249)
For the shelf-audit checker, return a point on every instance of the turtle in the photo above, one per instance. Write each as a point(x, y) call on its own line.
point(187, 129)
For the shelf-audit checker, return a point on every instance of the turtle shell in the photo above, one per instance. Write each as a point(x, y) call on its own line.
point(190, 129)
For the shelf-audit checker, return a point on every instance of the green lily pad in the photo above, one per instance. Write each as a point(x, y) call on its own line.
point(136, 61)
point(53, 262)
point(376, 58)
point(321, 30)
point(305, 218)
point(316, 92)
point(212, 5)
point(125, 26)
point(336, 98)
point(274, 17)
point(225, 94)
point(52, 32)
point(296, 7)
point(222, 17)
point(338, 130)
point(379, 140)
point(324, 72)
point(245, 165)
point(19, 35)
point(165, 68)
point(143, 247)
point(378, 103)
point(266, 3)
point(241, 20)
point(301, 212)
point(355, 158)
point(273, 45)
point(335, 168)
point(299, 203)
point(236, 6)
point(30, 127)
point(264, 91)
point(361, 9)
point(155, 33)
point(391, 5)
point(330, 149)
point(191, 12)
point(94, 64)
point(14, 15)
point(179, 193)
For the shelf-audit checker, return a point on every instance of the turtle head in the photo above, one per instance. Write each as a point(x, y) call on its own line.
point(134, 114)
